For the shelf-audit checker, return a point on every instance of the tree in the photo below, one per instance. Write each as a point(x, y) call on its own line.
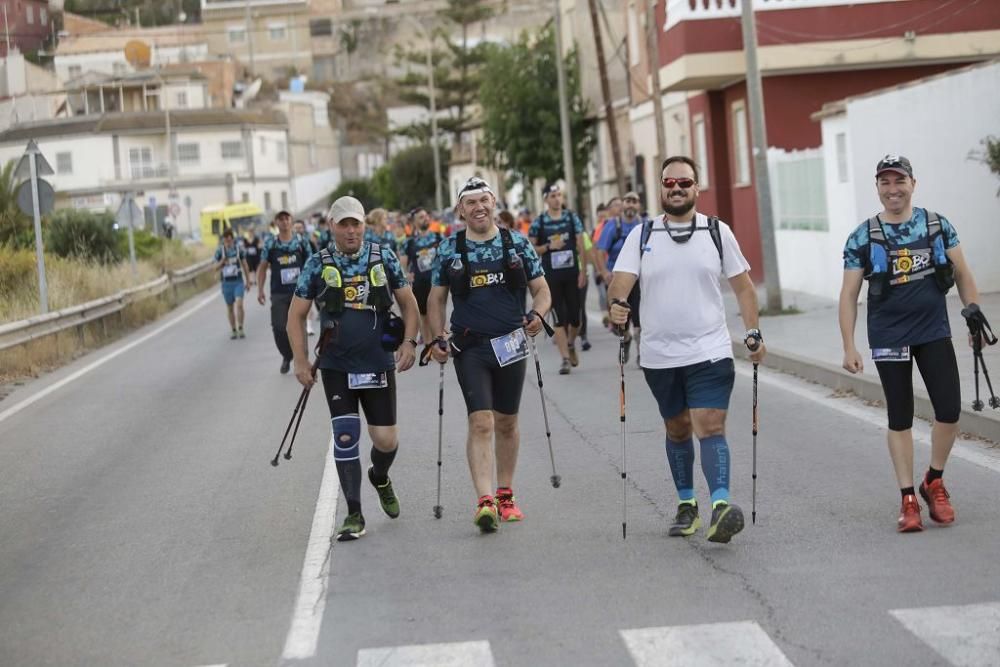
point(520, 109)
point(361, 189)
point(16, 229)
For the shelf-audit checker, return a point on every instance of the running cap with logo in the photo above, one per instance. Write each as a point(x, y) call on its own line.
point(347, 207)
point(475, 186)
point(896, 163)
point(550, 188)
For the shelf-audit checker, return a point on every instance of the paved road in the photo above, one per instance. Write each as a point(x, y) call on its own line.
point(142, 524)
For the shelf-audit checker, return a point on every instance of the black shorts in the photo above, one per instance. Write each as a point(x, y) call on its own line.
point(565, 299)
point(422, 290)
point(487, 386)
point(379, 405)
point(939, 369)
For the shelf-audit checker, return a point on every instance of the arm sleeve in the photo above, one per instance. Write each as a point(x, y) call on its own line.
point(733, 261)
point(265, 251)
point(577, 224)
point(306, 287)
point(534, 228)
point(628, 258)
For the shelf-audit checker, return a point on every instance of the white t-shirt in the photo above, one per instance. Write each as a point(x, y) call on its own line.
point(682, 314)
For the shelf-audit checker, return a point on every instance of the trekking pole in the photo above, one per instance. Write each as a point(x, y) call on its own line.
point(621, 418)
point(438, 510)
point(752, 344)
point(300, 405)
point(555, 479)
point(979, 330)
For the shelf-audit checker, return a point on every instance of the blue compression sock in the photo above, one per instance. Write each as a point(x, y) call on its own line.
point(680, 456)
point(715, 465)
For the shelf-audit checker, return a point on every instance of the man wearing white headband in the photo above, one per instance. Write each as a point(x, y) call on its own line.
point(487, 270)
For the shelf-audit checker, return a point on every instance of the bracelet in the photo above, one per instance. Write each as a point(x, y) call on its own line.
point(411, 340)
point(619, 302)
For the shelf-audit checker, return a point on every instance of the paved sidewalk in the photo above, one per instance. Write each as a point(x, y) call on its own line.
point(809, 345)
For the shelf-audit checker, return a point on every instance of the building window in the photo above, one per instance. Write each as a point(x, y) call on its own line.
point(267, 201)
point(284, 200)
point(64, 163)
point(182, 99)
point(701, 150)
point(75, 71)
point(141, 162)
point(282, 155)
point(801, 190)
point(741, 143)
point(236, 34)
point(188, 153)
point(277, 32)
point(320, 28)
point(29, 13)
point(232, 150)
point(263, 146)
point(841, 140)
point(246, 198)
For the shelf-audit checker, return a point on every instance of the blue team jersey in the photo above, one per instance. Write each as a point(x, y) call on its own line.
point(562, 263)
point(232, 270)
point(357, 347)
point(613, 236)
point(421, 251)
point(386, 239)
point(911, 313)
point(491, 308)
point(286, 259)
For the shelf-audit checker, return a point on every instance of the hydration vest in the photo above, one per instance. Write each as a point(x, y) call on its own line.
point(543, 235)
point(884, 260)
point(458, 275)
point(378, 297)
point(411, 250)
point(713, 231)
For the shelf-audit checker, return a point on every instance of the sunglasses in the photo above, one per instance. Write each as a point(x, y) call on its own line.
point(682, 183)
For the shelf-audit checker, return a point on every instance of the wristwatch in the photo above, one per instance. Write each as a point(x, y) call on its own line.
point(411, 340)
point(752, 334)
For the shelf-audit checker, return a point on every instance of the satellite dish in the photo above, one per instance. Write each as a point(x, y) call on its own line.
point(138, 54)
point(248, 93)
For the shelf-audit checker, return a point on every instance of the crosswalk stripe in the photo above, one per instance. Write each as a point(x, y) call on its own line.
point(743, 643)
point(455, 654)
point(965, 635)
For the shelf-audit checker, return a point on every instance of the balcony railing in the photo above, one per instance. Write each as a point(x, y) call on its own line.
point(695, 10)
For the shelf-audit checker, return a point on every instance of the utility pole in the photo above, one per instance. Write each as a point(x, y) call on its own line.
point(758, 133)
point(567, 141)
point(434, 123)
point(653, 55)
point(609, 112)
point(249, 32)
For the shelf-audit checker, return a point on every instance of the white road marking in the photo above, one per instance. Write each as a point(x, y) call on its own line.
point(55, 386)
point(457, 654)
point(741, 643)
point(965, 449)
point(966, 635)
point(310, 604)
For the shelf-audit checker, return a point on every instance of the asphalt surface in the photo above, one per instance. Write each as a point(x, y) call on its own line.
point(141, 523)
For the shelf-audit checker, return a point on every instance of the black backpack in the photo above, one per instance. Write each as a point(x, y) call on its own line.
point(713, 231)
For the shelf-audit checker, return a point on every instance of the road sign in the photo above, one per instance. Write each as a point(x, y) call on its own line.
point(128, 214)
point(152, 204)
point(46, 197)
point(42, 166)
point(175, 209)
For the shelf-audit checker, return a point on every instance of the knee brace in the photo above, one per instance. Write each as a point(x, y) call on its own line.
point(346, 435)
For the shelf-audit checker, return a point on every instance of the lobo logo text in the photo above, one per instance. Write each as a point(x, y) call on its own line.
point(487, 279)
point(911, 263)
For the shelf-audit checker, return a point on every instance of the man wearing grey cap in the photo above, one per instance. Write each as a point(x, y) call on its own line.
point(355, 283)
point(910, 257)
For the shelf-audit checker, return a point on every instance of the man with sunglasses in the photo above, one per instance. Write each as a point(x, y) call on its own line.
point(609, 245)
point(911, 258)
point(687, 354)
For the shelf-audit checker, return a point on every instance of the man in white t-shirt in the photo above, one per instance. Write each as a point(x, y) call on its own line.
point(686, 352)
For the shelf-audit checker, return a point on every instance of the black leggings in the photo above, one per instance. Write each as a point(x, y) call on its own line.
point(939, 369)
point(379, 405)
point(565, 300)
point(583, 311)
point(280, 304)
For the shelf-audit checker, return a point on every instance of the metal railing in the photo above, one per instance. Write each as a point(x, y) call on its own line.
point(35, 328)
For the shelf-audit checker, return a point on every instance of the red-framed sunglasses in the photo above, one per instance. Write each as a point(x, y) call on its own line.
point(682, 183)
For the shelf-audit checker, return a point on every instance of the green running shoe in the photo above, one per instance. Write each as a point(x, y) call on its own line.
point(352, 528)
point(386, 496)
point(727, 520)
point(686, 522)
point(486, 516)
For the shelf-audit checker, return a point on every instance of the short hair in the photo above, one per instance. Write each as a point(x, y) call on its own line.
point(507, 217)
point(376, 215)
point(228, 231)
point(681, 158)
point(601, 207)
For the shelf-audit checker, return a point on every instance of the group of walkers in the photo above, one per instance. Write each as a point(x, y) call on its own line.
point(504, 284)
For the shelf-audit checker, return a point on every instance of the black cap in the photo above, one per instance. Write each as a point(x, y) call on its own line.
point(896, 163)
point(550, 188)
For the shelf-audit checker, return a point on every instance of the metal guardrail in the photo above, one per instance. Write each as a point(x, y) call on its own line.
point(34, 328)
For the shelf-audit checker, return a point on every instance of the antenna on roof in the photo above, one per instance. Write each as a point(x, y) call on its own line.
point(248, 93)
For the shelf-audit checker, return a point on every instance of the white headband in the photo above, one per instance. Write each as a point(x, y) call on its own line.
point(475, 186)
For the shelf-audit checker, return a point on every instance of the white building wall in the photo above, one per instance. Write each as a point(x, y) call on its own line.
point(105, 62)
point(312, 189)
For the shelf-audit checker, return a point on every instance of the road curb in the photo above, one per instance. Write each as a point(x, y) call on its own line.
point(984, 424)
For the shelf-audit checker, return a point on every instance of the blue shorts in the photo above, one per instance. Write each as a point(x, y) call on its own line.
point(703, 385)
point(232, 290)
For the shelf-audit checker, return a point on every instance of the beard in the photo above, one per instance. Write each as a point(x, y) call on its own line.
point(678, 210)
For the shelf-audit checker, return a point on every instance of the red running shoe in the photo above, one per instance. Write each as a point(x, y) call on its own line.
point(486, 516)
point(909, 516)
point(936, 497)
point(509, 511)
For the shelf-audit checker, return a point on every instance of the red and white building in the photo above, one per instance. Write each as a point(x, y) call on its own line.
point(27, 24)
point(811, 52)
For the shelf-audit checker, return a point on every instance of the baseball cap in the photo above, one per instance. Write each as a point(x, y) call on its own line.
point(347, 207)
point(896, 163)
point(550, 188)
point(631, 194)
point(475, 186)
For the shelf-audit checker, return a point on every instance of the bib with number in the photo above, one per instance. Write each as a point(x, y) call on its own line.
point(562, 259)
point(290, 275)
point(230, 271)
point(510, 348)
point(367, 380)
point(425, 259)
point(251, 250)
point(891, 353)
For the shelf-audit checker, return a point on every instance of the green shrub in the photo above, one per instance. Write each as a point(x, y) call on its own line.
point(18, 271)
point(82, 234)
point(146, 244)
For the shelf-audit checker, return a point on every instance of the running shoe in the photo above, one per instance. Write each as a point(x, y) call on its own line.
point(233, 335)
point(936, 497)
point(486, 516)
point(386, 496)
point(727, 520)
point(585, 344)
point(286, 364)
point(686, 522)
point(240, 333)
point(352, 528)
point(628, 347)
point(565, 368)
point(909, 516)
point(509, 511)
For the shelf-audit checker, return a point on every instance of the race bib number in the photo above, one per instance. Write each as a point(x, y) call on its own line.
point(230, 271)
point(425, 260)
point(367, 381)
point(290, 276)
point(251, 250)
point(562, 259)
point(891, 353)
point(510, 348)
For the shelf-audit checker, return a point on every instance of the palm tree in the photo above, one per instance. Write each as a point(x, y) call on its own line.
point(15, 227)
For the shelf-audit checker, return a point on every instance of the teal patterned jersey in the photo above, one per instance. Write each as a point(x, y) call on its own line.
point(233, 270)
point(421, 250)
point(900, 234)
point(386, 239)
